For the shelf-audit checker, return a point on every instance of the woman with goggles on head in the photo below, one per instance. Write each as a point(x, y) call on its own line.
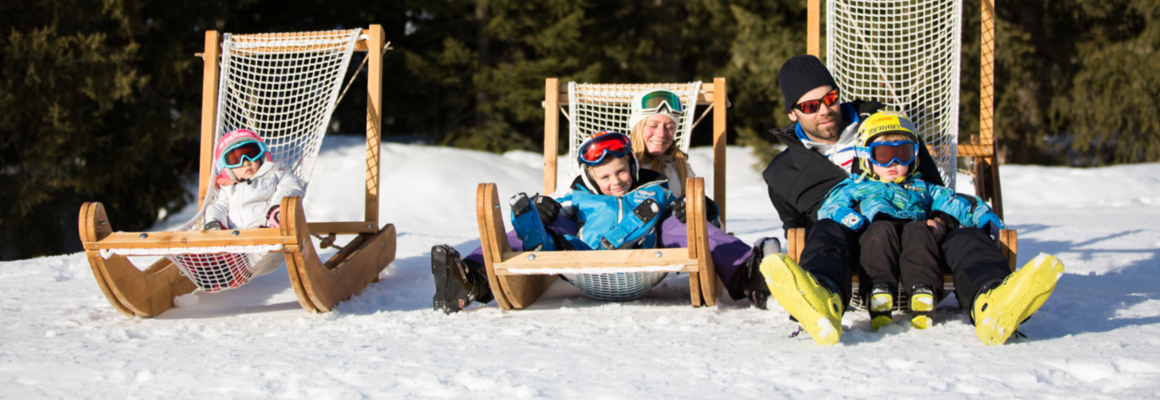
point(904, 219)
point(251, 184)
point(656, 114)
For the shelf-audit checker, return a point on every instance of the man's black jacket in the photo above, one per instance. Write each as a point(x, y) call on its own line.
point(799, 179)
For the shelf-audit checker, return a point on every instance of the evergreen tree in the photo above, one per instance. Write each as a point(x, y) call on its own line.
point(99, 105)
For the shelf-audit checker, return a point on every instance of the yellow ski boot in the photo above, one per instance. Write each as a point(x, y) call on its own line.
point(922, 303)
point(817, 309)
point(999, 311)
point(881, 303)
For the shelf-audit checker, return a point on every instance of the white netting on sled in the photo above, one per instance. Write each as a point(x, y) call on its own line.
point(597, 107)
point(905, 54)
point(619, 286)
point(284, 88)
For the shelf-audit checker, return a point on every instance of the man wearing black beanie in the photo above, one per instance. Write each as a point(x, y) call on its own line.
point(819, 154)
point(818, 291)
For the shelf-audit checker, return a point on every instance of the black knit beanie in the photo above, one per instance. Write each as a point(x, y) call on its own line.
point(801, 74)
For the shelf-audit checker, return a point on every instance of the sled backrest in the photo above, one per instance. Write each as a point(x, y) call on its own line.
point(907, 55)
point(595, 107)
point(284, 87)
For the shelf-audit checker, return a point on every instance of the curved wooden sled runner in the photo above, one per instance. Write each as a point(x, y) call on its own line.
point(319, 286)
point(518, 290)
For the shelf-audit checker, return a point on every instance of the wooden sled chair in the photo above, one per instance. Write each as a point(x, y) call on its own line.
point(519, 278)
point(906, 55)
point(283, 87)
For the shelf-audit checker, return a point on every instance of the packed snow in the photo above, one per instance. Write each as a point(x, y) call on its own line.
point(1097, 337)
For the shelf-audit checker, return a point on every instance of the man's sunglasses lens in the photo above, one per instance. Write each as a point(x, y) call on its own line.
point(812, 106)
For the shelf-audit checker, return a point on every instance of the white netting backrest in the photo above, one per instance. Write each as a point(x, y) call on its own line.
point(597, 107)
point(284, 88)
point(905, 54)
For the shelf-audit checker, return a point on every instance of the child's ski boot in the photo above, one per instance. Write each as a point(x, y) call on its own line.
point(880, 304)
point(922, 302)
point(999, 310)
point(527, 224)
point(817, 308)
point(456, 286)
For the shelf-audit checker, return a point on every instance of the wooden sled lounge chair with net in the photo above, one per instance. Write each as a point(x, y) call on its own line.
point(906, 55)
point(519, 278)
point(283, 87)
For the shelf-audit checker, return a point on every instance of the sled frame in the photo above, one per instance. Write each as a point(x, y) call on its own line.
point(517, 278)
point(981, 151)
point(318, 286)
point(508, 272)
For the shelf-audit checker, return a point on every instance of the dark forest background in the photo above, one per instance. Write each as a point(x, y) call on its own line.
point(100, 100)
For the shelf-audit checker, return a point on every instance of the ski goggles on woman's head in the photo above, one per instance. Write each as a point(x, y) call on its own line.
point(603, 143)
point(885, 154)
point(812, 106)
point(654, 102)
point(235, 156)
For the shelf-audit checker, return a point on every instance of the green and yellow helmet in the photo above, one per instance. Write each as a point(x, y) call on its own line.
point(882, 123)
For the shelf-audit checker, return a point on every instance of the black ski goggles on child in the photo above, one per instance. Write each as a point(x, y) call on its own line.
point(654, 102)
point(885, 154)
point(812, 106)
point(238, 154)
point(603, 143)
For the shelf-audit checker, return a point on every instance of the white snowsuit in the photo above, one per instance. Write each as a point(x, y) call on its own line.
point(244, 205)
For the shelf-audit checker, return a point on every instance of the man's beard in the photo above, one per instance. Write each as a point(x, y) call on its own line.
point(827, 134)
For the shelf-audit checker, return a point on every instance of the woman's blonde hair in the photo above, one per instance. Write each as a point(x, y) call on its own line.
point(679, 159)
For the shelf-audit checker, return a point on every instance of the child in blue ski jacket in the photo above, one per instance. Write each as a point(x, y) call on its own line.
point(902, 218)
point(614, 202)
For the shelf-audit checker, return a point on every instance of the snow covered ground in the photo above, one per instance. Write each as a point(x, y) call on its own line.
point(1097, 337)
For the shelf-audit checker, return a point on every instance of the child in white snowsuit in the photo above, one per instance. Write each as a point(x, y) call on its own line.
point(904, 219)
point(252, 185)
point(250, 196)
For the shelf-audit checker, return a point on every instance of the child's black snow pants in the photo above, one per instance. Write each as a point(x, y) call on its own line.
point(831, 253)
point(899, 248)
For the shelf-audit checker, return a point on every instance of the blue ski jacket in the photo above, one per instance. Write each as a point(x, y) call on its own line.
point(858, 200)
point(608, 222)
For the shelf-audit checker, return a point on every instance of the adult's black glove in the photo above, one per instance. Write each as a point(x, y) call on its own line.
point(678, 207)
point(866, 108)
point(548, 208)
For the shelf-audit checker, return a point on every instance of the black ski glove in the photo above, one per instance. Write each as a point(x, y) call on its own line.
point(213, 226)
point(866, 108)
point(678, 207)
point(548, 207)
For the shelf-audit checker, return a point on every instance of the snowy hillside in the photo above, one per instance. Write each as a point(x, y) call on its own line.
point(1097, 337)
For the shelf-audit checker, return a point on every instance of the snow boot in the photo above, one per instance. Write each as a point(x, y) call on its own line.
point(922, 302)
point(881, 302)
point(627, 234)
point(527, 224)
point(456, 285)
point(999, 310)
point(748, 281)
point(816, 307)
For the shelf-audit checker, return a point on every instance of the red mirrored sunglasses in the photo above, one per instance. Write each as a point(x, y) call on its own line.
point(812, 106)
